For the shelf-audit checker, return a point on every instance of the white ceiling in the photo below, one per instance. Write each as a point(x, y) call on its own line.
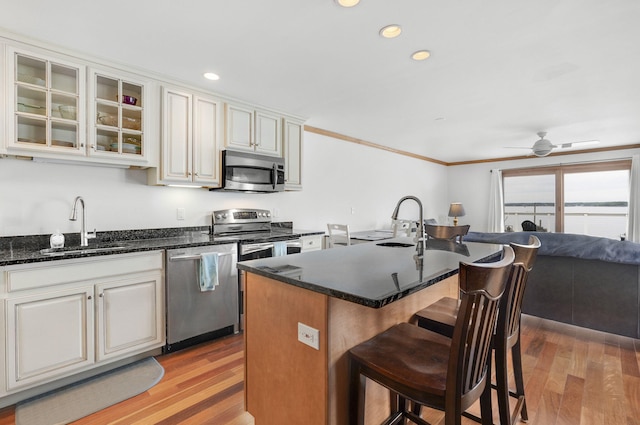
point(500, 70)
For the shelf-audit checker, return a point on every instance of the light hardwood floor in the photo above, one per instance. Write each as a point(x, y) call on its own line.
point(573, 376)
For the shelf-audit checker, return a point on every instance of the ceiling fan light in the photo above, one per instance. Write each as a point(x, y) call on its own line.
point(542, 147)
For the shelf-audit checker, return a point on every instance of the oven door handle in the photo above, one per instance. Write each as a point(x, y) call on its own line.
point(196, 256)
point(255, 247)
point(296, 243)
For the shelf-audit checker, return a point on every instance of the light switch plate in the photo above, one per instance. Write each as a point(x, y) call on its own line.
point(309, 336)
point(180, 214)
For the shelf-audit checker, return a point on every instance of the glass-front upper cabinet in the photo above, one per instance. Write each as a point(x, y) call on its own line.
point(118, 114)
point(46, 103)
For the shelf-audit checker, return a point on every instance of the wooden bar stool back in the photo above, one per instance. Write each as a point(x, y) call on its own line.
point(424, 367)
point(441, 316)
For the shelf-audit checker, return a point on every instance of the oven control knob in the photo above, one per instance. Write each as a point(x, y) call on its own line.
point(224, 215)
point(267, 214)
point(218, 216)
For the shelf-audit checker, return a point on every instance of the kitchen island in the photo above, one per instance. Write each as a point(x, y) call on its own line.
point(341, 296)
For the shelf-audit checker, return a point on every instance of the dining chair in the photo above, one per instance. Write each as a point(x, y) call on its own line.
point(434, 231)
point(423, 367)
point(441, 317)
point(529, 226)
point(338, 235)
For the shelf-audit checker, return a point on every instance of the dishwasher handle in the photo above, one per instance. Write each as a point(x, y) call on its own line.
point(196, 256)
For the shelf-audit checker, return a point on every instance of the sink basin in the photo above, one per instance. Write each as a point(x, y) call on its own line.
point(395, 244)
point(79, 250)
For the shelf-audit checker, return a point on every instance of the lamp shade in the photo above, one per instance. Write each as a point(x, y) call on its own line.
point(456, 210)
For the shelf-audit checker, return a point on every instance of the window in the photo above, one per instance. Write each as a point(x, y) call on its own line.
point(590, 199)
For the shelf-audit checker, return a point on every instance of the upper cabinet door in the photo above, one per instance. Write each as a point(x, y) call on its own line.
point(207, 140)
point(118, 117)
point(176, 136)
point(46, 103)
point(292, 140)
point(239, 128)
point(268, 133)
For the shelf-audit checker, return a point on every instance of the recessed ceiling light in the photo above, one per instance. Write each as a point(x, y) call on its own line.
point(211, 76)
point(421, 55)
point(347, 3)
point(391, 31)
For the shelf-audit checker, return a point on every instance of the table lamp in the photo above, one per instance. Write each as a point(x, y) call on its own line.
point(456, 210)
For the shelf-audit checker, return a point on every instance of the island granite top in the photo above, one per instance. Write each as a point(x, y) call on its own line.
point(372, 274)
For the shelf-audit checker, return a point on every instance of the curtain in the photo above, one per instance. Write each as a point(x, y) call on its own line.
point(633, 224)
point(496, 203)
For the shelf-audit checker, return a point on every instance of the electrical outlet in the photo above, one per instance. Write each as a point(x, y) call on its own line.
point(353, 210)
point(276, 212)
point(180, 214)
point(309, 336)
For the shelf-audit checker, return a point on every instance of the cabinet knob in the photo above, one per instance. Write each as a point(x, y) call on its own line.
point(89, 297)
point(101, 295)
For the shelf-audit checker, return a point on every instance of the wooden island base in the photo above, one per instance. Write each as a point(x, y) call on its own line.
point(288, 382)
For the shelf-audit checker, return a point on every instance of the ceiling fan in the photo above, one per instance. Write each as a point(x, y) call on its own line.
point(543, 147)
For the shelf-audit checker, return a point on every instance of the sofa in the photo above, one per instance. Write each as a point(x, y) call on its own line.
point(582, 280)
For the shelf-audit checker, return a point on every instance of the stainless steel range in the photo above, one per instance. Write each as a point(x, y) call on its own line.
point(256, 238)
point(252, 228)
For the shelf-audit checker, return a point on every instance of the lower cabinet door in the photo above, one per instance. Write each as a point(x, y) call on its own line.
point(129, 316)
point(50, 335)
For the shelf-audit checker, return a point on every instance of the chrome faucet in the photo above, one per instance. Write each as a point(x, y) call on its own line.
point(420, 228)
point(84, 235)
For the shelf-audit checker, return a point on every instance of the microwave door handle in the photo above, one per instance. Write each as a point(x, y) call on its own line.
point(274, 176)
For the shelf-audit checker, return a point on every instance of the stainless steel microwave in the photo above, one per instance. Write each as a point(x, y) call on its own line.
point(250, 172)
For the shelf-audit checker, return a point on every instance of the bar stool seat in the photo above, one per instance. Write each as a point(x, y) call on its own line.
point(441, 316)
point(425, 368)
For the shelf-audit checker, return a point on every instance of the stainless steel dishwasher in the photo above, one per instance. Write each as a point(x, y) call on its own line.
point(195, 316)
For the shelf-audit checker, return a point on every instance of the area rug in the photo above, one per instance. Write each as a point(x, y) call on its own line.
point(75, 401)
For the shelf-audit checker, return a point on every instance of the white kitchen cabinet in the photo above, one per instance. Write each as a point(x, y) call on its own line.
point(118, 117)
point(253, 130)
point(311, 243)
point(69, 316)
point(49, 334)
point(191, 138)
point(292, 141)
point(45, 103)
point(129, 315)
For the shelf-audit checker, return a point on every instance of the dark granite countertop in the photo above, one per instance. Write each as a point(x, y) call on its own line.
point(370, 274)
point(26, 249)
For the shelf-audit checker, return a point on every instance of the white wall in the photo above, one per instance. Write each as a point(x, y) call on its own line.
point(469, 184)
point(36, 198)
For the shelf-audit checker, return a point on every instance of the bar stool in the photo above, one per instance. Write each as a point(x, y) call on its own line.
point(441, 316)
point(424, 367)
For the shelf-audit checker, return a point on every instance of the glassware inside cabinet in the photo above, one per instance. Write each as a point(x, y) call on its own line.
point(106, 140)
point(31, 71)
point(31, 130)
point(107, 115)
point(131, 94)
point(64, 79)
point(63, 106)
point(64, 135)
point(31, 101)
point(132, 119)
point(132, 143)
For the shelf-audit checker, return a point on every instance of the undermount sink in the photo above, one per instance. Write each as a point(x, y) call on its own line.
point(395, 244)
point(79, 250)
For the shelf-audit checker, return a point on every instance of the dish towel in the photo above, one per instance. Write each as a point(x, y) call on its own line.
point(279, 249)
point(208, 271)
